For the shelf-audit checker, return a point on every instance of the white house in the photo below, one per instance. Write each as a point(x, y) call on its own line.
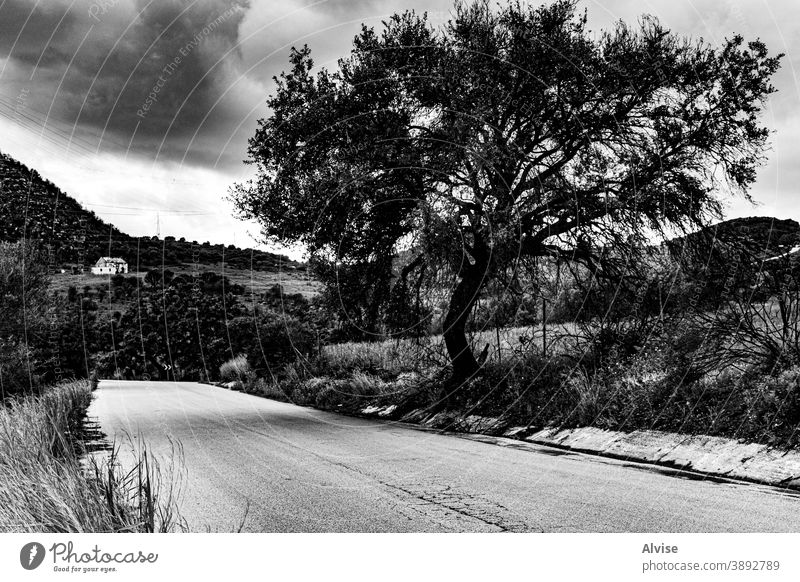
point(110, 266)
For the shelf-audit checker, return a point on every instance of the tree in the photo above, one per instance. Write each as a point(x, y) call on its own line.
point(508, 134)
point(24, 281)
point(24, 306)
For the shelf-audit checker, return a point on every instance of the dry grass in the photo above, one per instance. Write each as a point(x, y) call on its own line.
point(47, 486)
point(258, 282)
point(425, 354)
point(390, 357)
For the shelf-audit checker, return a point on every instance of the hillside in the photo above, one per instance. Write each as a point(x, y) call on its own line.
point(32, 207)
point(760, 237)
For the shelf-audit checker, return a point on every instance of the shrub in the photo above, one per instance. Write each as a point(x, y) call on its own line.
point(351, 393)
point(774, 405)
point(759, 407)
point(621, 377)
point(274, 340)
point(328, 395)
point(269, 389)
point(363, 384)
point(235, 369)
point(304, 392)
point(387, 358)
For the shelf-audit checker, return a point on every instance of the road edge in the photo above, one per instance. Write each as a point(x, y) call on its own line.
point(700, 454)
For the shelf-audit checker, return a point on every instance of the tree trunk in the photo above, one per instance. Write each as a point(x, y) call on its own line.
point(464, 297)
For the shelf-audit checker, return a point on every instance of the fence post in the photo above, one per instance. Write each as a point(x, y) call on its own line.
point(499, 356)
point(544, 327)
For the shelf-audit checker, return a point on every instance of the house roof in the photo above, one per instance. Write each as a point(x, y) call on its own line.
point(106, 261)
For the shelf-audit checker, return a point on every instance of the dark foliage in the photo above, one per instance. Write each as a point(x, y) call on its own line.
point(184, 327)
point(511, 132)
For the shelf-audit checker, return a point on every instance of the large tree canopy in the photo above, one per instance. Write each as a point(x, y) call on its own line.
point(510, 133)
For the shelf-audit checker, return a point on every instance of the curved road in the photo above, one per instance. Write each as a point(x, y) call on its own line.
point(293, 469)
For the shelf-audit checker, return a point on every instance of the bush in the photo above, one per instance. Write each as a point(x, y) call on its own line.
point(365, 385)
point(236, 369)
point(351, 394)
point(269, 389)
point(273, 340)
point(618, 376)
point(774, 406)
point(753, 406)
point(328, 395)
point(304, 392)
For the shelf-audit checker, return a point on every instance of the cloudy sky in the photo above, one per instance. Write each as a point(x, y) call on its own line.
point(75, 76)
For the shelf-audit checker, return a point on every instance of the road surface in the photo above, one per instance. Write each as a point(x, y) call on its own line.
point(294, 469)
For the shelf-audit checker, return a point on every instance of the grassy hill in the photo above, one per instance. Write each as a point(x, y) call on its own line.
point(32, 207)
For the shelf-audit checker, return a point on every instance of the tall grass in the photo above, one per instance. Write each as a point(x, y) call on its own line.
point(386, 357)
point(399, 356)
point(48, 485)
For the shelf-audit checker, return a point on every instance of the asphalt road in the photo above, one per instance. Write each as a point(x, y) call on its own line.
point(294, 469)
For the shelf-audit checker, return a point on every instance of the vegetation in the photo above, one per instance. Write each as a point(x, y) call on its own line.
point(580, 382)
point(531, 246)
point(238, 371)
point(511, 138)
point(25, 317)
point(185, 327)
point(45, 486)
point(161, 326)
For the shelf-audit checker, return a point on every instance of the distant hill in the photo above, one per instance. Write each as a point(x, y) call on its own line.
point(737, 254)
point(771, 235)
point(758, 237)
point(34, 208)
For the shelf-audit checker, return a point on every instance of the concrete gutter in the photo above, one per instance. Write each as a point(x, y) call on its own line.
point(703, 454)
point(716, 456)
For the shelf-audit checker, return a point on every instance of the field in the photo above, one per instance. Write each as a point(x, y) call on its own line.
point(293, 281)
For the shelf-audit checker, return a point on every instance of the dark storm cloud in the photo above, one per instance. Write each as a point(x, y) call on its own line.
point(106, 68)
point(26, 43)
point(166, 78)
point(140, 72)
